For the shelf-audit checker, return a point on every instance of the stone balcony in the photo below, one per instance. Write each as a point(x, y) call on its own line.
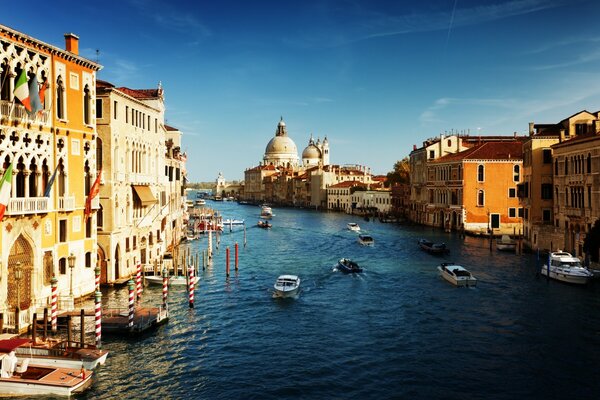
point(27, 205)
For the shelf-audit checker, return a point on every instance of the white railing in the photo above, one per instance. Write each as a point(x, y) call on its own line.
point(16, 111)
point(25, 317)
point(27, 205)
point(119, 176)
point(66, 203)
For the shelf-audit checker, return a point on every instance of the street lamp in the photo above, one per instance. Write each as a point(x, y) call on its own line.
point(18, 277)
point(71, 260)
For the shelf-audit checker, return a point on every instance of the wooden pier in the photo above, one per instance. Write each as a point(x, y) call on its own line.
point(116, 320)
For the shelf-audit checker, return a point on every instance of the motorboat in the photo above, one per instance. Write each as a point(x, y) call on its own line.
point(506, 243)
point(353, 226)
point(366, 240)
point(56, 354)
point(564, 267)
point(286, 286)
point(433, 248)
point(200, 202)
point(348, 266)
point(25, 377)
point(457, 275)
point(266, 212)
point(264, 224)
point(174, 280)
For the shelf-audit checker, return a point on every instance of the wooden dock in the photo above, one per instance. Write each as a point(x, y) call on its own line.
point(116, 320)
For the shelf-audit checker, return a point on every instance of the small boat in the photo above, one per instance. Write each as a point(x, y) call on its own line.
point(457, 275)
point(56, 354)
point(566, 268)
point(348, 266)
point(229, 222)
point(286, 286)
point(506, 243)
point(25, 377)
point(266, 212)
point(353, 226)
point(174, 280)
point(433, 248)
point(366, 240)
point(264, 224)
point(200, 202)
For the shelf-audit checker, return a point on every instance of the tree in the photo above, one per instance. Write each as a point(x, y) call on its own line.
point(400, 174)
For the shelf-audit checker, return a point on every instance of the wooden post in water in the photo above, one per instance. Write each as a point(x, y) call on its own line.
point(244, 234)
point(69, 330)
point(33, 327)
point(227, 261)
point(82, 330)
point(197, 264)
point(236, 256)
point(45, 323)
point(209, 249)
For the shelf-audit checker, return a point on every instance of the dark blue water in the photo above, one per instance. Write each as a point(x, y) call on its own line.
point(397, 330)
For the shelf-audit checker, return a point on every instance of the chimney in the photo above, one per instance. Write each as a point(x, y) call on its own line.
point(531, 129)
point(562, 135)
point(414, 147)
point(72, 43)
point(597, 125)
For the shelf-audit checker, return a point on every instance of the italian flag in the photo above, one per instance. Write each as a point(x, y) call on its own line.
point(5, 186)
point(22, 91)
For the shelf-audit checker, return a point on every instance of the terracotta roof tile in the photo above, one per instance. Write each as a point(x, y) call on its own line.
point(487, 151)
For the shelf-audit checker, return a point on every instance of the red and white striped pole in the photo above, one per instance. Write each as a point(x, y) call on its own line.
point(54, 306)
point(138, 282)
point(131, 286)
point(98, 318)
point(97, 276)
point(165, 287)
point(192, 279)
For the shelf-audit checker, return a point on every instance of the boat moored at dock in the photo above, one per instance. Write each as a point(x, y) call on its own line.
point(564, 267)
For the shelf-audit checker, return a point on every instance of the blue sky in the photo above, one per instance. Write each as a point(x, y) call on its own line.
point(376, 77)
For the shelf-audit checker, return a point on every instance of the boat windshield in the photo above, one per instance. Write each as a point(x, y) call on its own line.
point(571, 264)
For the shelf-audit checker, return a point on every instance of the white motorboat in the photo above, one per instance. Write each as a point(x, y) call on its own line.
point(25, 377)
point(286, 286)
point(174, 280)
point(457, 275)
point(353, 226)
point(564, 267)
point(366, 240)
point(55, 354)
point(266, 211)
point(506, 243)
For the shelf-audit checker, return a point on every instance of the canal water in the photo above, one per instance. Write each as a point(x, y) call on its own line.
point(398, 330)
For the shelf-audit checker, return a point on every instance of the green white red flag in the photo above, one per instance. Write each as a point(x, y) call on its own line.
point(5, 186)
point(21, 91)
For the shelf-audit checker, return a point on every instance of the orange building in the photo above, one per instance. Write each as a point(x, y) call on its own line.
point(476, 190)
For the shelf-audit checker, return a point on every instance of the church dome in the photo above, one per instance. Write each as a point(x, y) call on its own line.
point(311, 152)
point(280, 145)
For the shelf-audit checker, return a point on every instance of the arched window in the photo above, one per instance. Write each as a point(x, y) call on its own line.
point(99, 153)
point(33, 179)
point(589, 164)
point(60, 98)
point(480, 198)
point(87, 105)
point(62, 266)
point(556, 167)
point(4, 74)
point(516, 173)
point(480, 173)
point(20, 178)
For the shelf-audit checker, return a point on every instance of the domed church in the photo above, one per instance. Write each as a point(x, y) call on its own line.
point(281, 151)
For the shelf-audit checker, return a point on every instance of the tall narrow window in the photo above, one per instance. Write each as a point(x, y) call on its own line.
point(98, 108)
point(480, 198)
point(516, 173)
point(588, 164)
point(60, 100)
point(480, 173)
point(566, 165)
point(555, 167)
point(115, 108)
point(87, 105)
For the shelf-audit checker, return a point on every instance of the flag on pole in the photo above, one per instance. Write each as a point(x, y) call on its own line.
point(21, 91)
point(50, 183)
point(5, 187)
point(42, 92)
point(93, 193)
point(34, 96)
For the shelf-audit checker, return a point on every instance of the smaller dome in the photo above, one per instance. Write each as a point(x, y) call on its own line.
point(311, 152)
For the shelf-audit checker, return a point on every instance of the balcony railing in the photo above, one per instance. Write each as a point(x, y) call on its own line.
point(66, 203)
point(27, 205)
point(17, 112)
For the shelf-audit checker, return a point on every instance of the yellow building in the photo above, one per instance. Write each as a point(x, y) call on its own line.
point(39, 234)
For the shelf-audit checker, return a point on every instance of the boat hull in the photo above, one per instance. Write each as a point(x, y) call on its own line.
point(173, 280)
point(559, 276)
point(460, 281)
point(59, 382)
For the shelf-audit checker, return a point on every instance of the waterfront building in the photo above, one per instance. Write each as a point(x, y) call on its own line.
point(475, 190)
point(400, 199)
point(48, 137)
point(559, 201)
point(142, 202)
point(339, 196)
point(372, 201)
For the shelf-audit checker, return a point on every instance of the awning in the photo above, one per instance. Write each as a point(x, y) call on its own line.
point(145, 195)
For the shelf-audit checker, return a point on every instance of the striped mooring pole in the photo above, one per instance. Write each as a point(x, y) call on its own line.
point(138, 282)
point(191, 286)
point(54, 304)
point(165, 287)
point(131, 287)
point(97, 277)
point(98, 304)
